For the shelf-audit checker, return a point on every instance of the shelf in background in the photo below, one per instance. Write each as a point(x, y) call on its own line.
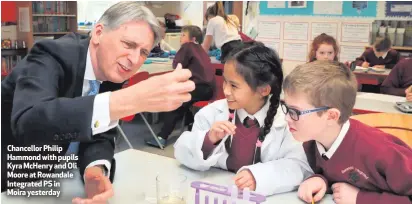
point(51, 33)
point(54, 15)
point(12, 52)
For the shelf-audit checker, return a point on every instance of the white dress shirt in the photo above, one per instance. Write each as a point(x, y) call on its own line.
point(336, 143)
point(101, 110)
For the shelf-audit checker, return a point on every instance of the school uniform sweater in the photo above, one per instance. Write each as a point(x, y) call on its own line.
point(193, 57)
point(377, 163)
point(391, 58)
point(242, 150)
point(399, 79)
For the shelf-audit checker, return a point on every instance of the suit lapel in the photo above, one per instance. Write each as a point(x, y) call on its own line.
point(84, 46)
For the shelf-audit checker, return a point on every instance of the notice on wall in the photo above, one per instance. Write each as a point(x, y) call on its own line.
point(269, 29)
point(327, 7)
point(327, 28)
point(350, 53)
point(276, 4)
point(355, 32)
point(295, 51)
point(270, 43)
point(295, 31)
point(24, 19)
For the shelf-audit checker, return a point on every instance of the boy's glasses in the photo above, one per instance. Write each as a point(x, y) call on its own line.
point(295, 113)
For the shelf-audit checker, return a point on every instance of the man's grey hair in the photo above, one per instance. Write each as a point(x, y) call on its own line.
point(126, 11)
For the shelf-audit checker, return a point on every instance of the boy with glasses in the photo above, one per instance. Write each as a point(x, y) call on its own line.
point(358, 163)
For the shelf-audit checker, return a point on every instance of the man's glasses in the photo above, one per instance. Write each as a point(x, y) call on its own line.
point(295, 113)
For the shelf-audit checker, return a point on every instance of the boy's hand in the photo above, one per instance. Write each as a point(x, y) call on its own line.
point(365, 64)
point(344, 193)
point(220, 129)
point(314, 185)
point(245, 179)
point(408, 93)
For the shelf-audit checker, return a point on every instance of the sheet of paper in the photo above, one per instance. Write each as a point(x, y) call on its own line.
point(24, 19)
point(327, 7)
point(269, 29)
point(295, 51)
point(328, 28)
point(270, 43)
point(355, 32)
point(296, 31)
point(276, 4)
point(350, 53)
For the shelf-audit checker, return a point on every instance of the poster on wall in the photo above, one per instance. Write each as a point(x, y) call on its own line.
point(269, 29)
point(327, 7)
point(297, 4)
point(355, 32)
point(296, 31)
point(350, 53)
point(24, 19)
point(276, 4)
point(295, 51)
point(270, 43)
point(327, 28)
point(398, 9)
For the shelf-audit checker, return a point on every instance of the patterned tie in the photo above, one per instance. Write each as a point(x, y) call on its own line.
point(94, 90)
point(248, 122)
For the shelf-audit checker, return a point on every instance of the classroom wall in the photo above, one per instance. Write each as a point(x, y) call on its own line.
point(278, 43)
point(92, 10)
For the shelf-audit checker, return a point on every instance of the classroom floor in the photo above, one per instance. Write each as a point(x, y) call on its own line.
point(136, 131)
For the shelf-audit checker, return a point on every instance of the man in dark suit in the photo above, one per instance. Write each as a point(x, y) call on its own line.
point(67, 92)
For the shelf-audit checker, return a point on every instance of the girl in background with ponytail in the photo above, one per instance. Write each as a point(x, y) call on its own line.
point(222, 29)
point(246, 133)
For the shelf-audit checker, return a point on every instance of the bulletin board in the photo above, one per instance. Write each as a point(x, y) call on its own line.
point(398, 9)
point(349, 9)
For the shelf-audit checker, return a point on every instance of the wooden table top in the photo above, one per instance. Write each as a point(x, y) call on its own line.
point(399, 125)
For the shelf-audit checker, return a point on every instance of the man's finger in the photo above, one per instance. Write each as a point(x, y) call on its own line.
point(180, 74)
point(108, 191)
point(182, 87)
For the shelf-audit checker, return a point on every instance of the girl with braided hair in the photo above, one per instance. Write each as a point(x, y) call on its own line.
point(246, 133)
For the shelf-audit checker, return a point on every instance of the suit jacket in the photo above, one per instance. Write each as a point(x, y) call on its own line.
point(42, 103)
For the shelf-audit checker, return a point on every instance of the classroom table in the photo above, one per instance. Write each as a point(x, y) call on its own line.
point(370, 77)
point(135, 176)
point(376, 103)
point(396, 124)
point(159, 67)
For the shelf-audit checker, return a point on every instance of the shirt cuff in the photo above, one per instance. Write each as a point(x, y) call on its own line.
point(103, 162)
point(101, 114)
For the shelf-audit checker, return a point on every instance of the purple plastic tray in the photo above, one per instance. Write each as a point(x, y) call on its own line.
point(222, 190)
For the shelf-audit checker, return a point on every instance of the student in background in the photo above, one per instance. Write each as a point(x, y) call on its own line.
point(192, 56)
point(358, 163)
point(379, 56)
point(261, 151)
point(221, 29)
point(399, 81)
point(163, 45)
point(243, 36)
point(324, 47)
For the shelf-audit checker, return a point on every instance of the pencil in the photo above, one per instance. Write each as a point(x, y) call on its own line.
point(313, 202)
